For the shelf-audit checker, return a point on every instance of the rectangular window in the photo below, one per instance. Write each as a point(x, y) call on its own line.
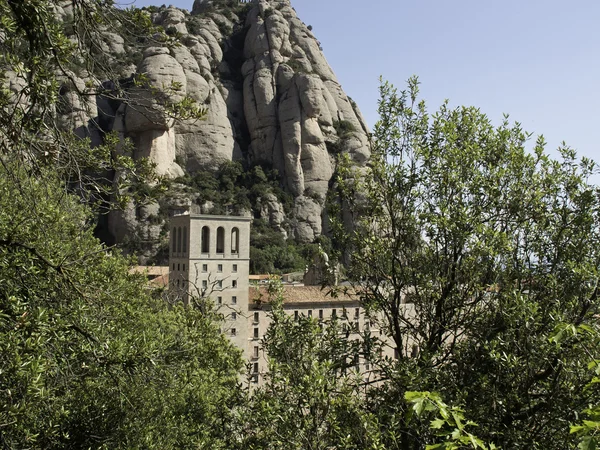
point(367, 325)
point(204, 268)
point(255, 354)
point(178, 266)
point(234, 268)
point(233, 331)
point(356, 313)
point(219, 301)
point(173, 266)
point(204, 284)
point(256, 317)
point(296, 316)
point(219, 267)
point(320, 314)
point(255, 333)
point(310, 313)
point(333, 314)
point(184, 267)
point(255, 368)
point(234, 283)
point(233, 300)
point(233, 316)
point(220, 284)
point(344, 314)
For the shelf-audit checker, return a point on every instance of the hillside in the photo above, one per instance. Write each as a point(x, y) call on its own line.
point(277, 119)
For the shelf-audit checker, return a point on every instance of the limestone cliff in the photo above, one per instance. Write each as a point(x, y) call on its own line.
point(271, 97)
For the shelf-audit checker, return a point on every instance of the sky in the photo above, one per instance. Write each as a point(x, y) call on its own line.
point(536, 60)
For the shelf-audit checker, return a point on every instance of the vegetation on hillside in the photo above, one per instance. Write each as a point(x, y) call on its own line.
point(495, 248)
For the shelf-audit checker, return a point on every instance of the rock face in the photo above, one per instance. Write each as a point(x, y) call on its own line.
point(271, 99)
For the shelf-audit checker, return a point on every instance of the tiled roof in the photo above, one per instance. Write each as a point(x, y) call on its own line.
point(304, 294)
point(153, 271)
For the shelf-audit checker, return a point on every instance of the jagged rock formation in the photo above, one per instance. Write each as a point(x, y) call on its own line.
point(271, 98)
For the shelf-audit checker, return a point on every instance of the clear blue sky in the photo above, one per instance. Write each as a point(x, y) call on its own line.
point(537, 60)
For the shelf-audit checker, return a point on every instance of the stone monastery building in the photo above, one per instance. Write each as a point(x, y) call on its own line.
point(210, 257)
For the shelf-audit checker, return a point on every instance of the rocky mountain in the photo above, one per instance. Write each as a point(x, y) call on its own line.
point(272, 101)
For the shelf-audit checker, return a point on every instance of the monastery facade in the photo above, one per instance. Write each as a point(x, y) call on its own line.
point(209, 256)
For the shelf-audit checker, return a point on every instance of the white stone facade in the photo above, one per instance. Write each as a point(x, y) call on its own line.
point(210, 257)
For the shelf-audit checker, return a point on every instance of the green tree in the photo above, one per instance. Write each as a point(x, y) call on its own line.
point(483, 258)
point(90, 357)
point(312, 397)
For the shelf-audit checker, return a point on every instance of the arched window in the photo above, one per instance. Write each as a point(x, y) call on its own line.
point(179, 240)
point(205, 239)
point(235, 240)
point(220, 240)
point(174, 241)
point(184, 240)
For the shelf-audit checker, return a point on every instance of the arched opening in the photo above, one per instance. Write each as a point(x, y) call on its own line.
point(235, 241)
point(174, 241)
point(184, 240)
point(179, 240)
point(205, 239)
point(220, 240)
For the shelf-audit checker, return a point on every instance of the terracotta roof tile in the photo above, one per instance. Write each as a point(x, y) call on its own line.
point(303, 294)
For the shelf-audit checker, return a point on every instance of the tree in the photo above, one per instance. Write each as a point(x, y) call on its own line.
point(90, 357)
point(483, 257)
point(312, 395)
point(54, 64)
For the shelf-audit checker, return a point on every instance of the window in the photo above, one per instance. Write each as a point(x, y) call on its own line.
point(256, 317)
point(255, 368)
point(334, 314)
point(219, 301)
point(255, 333)
point(205, 239)
point(179, 240)
point(309, 313)
point(233, 331)
point(204, 268)
point(178, 267)
point(255, 378)
point(204, 284)
point(367, 325)
point(184, 240)
point(234, 268)
point(235, 241)
point(320, 314)
point(233, 316)
point(173, 266)
point(220, 240)
point(296, 316)
point(220, 284)
point(356, 313)
point(344, 314)
point(233, 283)
point(255, 354)
point(234, 300)
point(184, 267)
point(219, 267)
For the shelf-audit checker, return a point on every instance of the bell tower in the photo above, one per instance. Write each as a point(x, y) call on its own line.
point(209, 256)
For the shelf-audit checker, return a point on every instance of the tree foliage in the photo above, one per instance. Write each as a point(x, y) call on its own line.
point(90, 359)
point(312, 396)
point(483, 258)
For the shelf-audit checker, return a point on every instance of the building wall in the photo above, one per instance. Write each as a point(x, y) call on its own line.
point(219, 272)
point(200, 270)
